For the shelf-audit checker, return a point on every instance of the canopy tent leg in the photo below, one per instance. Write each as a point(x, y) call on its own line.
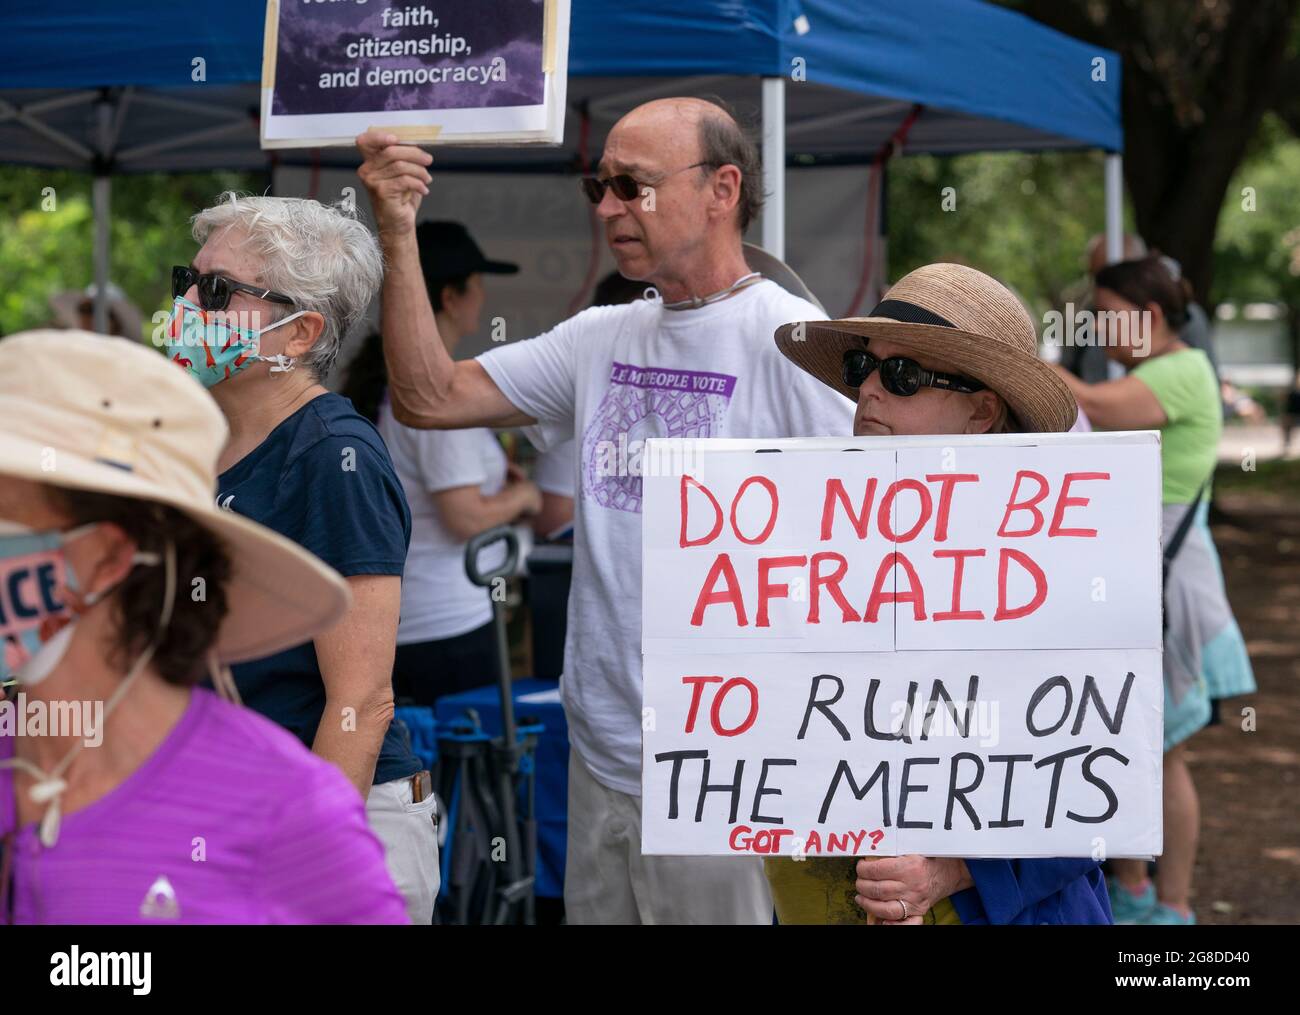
point(1114, 207)
point(101, 195)
point(774, 166)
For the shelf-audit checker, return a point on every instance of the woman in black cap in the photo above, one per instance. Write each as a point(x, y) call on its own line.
point(458, 483)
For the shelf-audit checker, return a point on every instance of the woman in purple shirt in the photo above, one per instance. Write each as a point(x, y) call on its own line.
point(127, 793)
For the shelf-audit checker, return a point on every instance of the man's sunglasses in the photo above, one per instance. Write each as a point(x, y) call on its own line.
point(215, 290)
point(900, 375)
point(625, 187)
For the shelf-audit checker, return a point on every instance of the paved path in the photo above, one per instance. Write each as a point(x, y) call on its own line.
point(1266, 441)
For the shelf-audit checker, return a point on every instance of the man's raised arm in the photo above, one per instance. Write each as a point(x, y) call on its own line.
point(429, 390)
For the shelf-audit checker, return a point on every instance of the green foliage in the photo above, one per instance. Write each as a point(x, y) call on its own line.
point(47, 236)
point(1257, 250)
point(1024, 218)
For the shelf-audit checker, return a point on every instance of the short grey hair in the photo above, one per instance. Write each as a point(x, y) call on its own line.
point(724, 142)
point(318, 255)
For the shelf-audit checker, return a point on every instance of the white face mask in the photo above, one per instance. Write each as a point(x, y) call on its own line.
point(33, 565)
point(49, 786)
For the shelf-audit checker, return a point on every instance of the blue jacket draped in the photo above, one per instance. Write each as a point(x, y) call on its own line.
point(1037, 891)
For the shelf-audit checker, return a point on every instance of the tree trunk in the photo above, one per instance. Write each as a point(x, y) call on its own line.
point(1192, 101)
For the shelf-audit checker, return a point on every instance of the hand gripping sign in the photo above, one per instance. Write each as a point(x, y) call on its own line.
point(939, 645)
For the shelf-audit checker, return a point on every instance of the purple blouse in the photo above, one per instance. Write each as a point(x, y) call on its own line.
point(231, 820)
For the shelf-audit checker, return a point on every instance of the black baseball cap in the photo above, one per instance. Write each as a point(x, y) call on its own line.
point(448, 251)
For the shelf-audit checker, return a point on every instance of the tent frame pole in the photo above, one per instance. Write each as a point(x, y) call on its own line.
point(774, 166)
point(101, 197)
point(1114, 207)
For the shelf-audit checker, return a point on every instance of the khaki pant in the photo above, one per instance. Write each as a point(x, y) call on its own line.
point(409, 832)
point(607, 880)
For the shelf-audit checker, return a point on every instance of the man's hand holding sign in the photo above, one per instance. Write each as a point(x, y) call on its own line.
point(397, 177)
point(428, 388)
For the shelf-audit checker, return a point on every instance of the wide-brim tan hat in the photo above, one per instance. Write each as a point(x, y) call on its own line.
point(108, 415)
point(959, 320)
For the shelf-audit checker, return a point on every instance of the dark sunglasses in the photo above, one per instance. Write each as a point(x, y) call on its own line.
point(215, 290)
point(625, 187)
point(900, 375)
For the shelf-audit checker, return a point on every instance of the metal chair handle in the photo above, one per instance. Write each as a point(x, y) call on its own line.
point(481, 542)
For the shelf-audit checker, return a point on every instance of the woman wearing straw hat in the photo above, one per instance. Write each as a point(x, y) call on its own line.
point(144, 798)
point(949, 351)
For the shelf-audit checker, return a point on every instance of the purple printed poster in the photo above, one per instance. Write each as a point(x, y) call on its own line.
point(441, 71)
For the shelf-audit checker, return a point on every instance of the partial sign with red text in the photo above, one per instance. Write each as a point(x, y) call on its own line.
point(948, 646)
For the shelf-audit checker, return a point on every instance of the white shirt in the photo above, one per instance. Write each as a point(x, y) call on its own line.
point(438, 599)
point(624, 373)
point(556, 470)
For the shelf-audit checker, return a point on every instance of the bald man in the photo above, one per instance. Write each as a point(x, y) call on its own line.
point(1090, 362)
point(676, 186)
point(1131, 248)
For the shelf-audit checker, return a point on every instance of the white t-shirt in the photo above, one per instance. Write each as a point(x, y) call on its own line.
point(438, 599)
point(556, 470)
point(638, 370)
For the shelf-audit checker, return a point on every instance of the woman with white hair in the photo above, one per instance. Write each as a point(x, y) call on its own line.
point(258, 318)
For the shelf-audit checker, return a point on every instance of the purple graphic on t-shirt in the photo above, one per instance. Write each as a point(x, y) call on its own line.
point(643, 402)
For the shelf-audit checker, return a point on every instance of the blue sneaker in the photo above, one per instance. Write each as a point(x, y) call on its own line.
point(1162, 914)
point(1127, 908)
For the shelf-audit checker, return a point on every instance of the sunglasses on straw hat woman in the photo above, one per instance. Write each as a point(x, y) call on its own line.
point(948, 351)
point(121, 586)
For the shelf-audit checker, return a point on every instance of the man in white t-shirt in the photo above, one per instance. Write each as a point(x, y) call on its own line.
point(556, 474)
point(677, 184)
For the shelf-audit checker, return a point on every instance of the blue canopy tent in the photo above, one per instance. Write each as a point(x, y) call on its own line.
point(141, 85)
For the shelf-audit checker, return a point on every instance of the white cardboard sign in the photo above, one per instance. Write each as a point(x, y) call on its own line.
point(491, 72)
point(949, 646)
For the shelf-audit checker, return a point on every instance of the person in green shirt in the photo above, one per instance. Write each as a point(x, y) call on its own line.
point(1170, 387)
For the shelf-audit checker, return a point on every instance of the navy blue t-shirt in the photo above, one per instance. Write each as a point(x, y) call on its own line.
point(323, 479)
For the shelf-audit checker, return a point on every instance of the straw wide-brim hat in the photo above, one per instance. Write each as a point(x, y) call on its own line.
point(112, 416)
point(954, 319)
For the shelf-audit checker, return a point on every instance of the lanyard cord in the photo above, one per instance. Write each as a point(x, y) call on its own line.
point(695, 302)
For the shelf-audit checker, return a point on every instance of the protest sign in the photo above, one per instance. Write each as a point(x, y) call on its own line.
point(948, 646)
point(488, 72)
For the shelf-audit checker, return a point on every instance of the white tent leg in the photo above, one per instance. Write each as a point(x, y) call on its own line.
point(101, 194)
point(1114, 208)
point(101, 191)
point(774, 166)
